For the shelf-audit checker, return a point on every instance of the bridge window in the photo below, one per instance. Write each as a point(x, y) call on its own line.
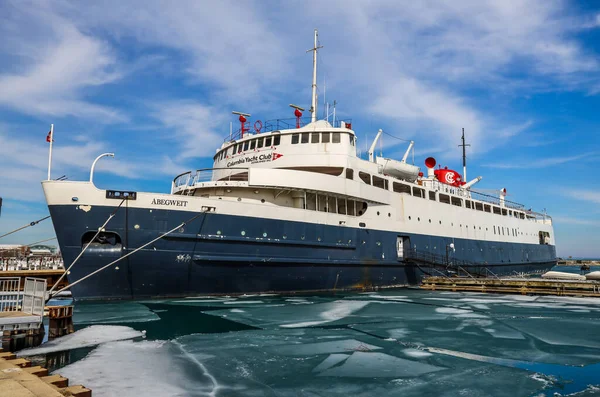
point(351, 139)
point(432, 196)
point(504, 211)
point(349, 173)
point(456, 201)
point(468, 203)
point(305, 137)
point(379, 182)
point(325, 137)
point(276, 140)
point(341, 206)
point(311, 201)
point(268, 141)
point(295, 138)
point(351, 207)
point(366, 178)
point(331, 204)
point(497, 211)
point(418, 192)
point(336, 137)
point(400, 188)
point(253, 144)
point(314, 137)
point(246, 145)
point(361, 208)
point(479, 206)
point(487, 208)
point(260, 143)
point(444, 198)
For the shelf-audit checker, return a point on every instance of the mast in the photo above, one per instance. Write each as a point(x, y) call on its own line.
point(313, 107)
point(464, 150)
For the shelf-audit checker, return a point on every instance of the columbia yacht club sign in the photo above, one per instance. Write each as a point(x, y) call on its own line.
point(257, 158)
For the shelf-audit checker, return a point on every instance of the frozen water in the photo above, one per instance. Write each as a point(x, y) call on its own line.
point(412, 343)
point(90, 336)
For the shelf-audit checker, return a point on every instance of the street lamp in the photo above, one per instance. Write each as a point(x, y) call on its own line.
point(448, 248)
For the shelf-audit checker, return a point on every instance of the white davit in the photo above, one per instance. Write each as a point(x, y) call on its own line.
point(563, 276)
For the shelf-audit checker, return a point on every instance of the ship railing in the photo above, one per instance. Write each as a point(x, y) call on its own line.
point(448, 263)
point(258, 127)
point(190, 179)
point(488, 198)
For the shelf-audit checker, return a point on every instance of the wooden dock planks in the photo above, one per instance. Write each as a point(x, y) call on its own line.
point(523, 286)
point(19, 379)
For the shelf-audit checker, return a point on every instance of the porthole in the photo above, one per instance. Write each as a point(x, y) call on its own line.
point(243, 232)
point(440, 222)
point(239, 199)
point(378, 243)
point(364, 242)
point(318, 238)
point(419, 219)
point(301, 237)
point(218, 232)
point(452, 224)
point(430, 221)
point(262, 200)
point(265, 234)
point(409, 218)
point(389, 214)
point(377, 213)
point(284, 236)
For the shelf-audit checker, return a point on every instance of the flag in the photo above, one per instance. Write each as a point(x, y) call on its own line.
point(49, 136)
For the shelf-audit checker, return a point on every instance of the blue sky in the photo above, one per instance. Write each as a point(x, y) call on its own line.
point(155, 82)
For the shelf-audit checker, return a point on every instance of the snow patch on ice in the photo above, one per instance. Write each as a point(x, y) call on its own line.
point(86, 337)
point(237, 311)
point(242, 302)
point(339, 310)
point(330, 361)
point(416, 353)
point(452, 310)
point(136, 369)
point(337, 346)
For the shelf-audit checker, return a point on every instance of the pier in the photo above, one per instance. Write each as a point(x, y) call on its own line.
point(18, 378)
point(523, 286)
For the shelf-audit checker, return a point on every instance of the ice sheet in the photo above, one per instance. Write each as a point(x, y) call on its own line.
point(339, 310)
point(90, 336)
point(112, 313)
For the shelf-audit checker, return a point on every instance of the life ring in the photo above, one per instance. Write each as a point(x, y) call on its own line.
point(258, 126)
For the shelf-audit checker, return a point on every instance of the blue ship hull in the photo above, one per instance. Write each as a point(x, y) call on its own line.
point(225, 254)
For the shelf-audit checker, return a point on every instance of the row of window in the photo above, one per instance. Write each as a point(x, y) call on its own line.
point(319, 137)
point(443, 198)
point(257, 143)
point(497, 229)
point(275, 140)
point(335, 205)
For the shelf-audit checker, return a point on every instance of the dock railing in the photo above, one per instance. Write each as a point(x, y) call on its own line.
point(30, 301)
point(10, 294)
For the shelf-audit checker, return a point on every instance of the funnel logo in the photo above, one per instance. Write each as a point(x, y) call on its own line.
point(449, 177)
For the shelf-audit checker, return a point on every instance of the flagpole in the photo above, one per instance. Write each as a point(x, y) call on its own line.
point(50, 153)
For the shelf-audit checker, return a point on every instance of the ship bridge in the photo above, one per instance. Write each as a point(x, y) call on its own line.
point(317, 146)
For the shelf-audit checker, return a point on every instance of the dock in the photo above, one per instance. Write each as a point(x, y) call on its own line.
point(523, 286)
point(18, 378)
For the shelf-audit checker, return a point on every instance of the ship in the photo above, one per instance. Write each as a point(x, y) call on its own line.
point(290, 207)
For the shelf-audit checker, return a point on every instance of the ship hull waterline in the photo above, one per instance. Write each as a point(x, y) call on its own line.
point(218, 254)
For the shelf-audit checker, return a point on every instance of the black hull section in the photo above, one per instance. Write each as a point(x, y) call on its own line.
point(224, 254)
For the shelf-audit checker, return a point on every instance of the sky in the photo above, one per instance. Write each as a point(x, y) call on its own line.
point(155, 82)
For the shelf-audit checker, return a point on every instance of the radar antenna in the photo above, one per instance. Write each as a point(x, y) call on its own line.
point(464, 150)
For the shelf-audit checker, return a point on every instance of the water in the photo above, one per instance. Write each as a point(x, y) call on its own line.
point(405, 342)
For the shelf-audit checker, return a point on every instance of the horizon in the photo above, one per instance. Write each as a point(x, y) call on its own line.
point(156, 83)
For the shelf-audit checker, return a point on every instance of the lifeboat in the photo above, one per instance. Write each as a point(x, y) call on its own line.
point(398, 169)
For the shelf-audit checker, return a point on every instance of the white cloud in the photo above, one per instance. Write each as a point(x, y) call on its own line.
point(541, 163)
point(592, 196)
point(60, 64)
point(574, 221)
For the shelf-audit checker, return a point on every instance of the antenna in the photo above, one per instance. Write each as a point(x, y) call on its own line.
point(313, 107)
point(464, 150)
point(242, 120)
point(334, 103)
point(297, 113)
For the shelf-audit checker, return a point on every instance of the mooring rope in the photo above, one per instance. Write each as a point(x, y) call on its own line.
point(100, 229)
point(126, 255)
point(26, 226)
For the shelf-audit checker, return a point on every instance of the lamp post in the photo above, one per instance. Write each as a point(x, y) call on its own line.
point(94, 164)
point(448, 248)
